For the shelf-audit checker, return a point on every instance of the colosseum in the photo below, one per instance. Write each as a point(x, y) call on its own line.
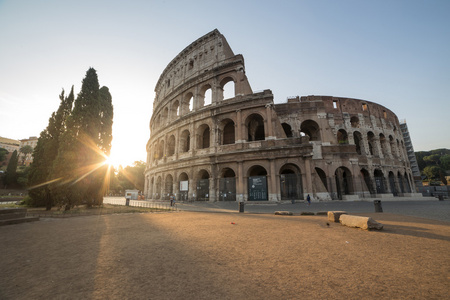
point(214, 139)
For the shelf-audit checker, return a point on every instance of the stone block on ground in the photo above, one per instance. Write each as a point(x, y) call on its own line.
point(365, 223)
point(307, 213)
point(321, 213)
point(333, 216)
point(283, 213)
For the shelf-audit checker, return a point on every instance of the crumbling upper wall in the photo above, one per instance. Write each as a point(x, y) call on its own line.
point(204, 54)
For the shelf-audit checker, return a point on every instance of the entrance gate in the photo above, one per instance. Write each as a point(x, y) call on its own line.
point(227, 189)
point(288, 184)
point(203, 190)
point(257, 188)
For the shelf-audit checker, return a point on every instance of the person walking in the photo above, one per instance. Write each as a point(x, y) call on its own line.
point(172, 200)
point(308, 198)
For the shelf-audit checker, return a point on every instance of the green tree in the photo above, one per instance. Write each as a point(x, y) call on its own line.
point(84, 147)
point(432, 159)
point(11, 171)
point(25, 150)
point(3, 153)
point(432, 172)
point(45, 152)
point(132, 177)
point(445, 162)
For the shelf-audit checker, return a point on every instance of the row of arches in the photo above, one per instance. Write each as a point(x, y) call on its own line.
point(195, 99)
point(289, 181)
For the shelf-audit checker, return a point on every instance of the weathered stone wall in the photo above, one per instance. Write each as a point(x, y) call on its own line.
point(248, 148)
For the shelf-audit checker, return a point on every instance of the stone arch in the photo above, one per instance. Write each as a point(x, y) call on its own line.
point(383, 144)
point(407, 184)
point(367, 180)
point(168, 186)
point(203, 133)
point(228, 86)
point(392, 144)
point(354, 122)
point(171, 145)
point(254, 125)
point(401, 182)
point(372, 143)
point(158, 188)
point(205, 98)
point(175, 110)
point(185, 141)
point(344, 182)
point(342, 137)
point(287, 130)
point(257, 184)
point(165, 116)
point(227, 130)
point(359, 143)
point(322, 176)
point(311, 129)
point(183, 183)
point(187, 104)
point(161, 149)
point(227, 185)
point(380, 184)
point(202, 185)
point(290, 182)
point(392, 184)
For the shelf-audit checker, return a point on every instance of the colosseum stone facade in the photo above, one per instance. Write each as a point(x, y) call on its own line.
point(214, 139)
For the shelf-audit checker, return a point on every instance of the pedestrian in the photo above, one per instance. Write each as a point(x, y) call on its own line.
point(308, 198)
point(172, 200)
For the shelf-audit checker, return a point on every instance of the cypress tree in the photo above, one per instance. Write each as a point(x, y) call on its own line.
point(11, 170)
point(84, 147)
point(45, 154)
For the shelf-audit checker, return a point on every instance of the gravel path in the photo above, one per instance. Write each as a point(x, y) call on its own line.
point(200, 255)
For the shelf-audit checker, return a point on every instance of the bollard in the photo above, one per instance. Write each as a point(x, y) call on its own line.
point(241, 207)
point(378, 207)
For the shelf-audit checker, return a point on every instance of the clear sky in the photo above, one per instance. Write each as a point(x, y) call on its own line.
point(392, 52)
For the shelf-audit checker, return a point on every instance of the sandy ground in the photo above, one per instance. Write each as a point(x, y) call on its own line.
point(193, 255)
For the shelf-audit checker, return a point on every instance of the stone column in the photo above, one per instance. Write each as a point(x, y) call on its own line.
point(240, 182)
point(270, 134)
point(239, 127)
point(309, 188)
point(212, 189)
point(273, 196)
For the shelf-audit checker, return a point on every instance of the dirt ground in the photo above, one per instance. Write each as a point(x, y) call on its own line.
point(192, 255)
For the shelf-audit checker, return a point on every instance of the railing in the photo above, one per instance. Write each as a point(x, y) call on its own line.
point(140, 203)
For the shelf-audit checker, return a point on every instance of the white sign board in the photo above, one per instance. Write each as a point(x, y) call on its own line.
point(184, 186)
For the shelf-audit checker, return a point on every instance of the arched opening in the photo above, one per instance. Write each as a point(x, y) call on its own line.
point(344, 182)
point(287, 129)
point(204, 136)
point(257, 184)
point(161, 149)
point(255, 128)
point(342, 137)
point(392, 184)
point(185, 141)
point(150, 188)
point(311, 129)
point(227, 185)
point(188, 104)
point(400, 182)
point(290, 183)
point(165, 116)
point(183, 180)
point(357, 137)
point(371, 142)
point(228, 132)
point(354, 122)
point(383, 144)
point(379, 181)
point(366, 176)
point(175, 110)
point(158, 188)
point(171, 145)
point(168, 187)
point(323, 177)
point(206, 95)
point(392, 144)
point(228, 88)
point(203, 186)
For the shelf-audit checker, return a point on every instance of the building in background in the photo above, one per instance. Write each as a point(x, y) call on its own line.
point(411, 155)
point(27, 159)
point(10, 145)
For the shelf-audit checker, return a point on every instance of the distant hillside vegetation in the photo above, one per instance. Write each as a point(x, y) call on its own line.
point(434, 164)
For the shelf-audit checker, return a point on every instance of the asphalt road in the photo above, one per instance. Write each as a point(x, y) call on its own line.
point(435, 210)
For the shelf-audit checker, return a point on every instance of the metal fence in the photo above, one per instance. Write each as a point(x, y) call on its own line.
point(140, 203)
